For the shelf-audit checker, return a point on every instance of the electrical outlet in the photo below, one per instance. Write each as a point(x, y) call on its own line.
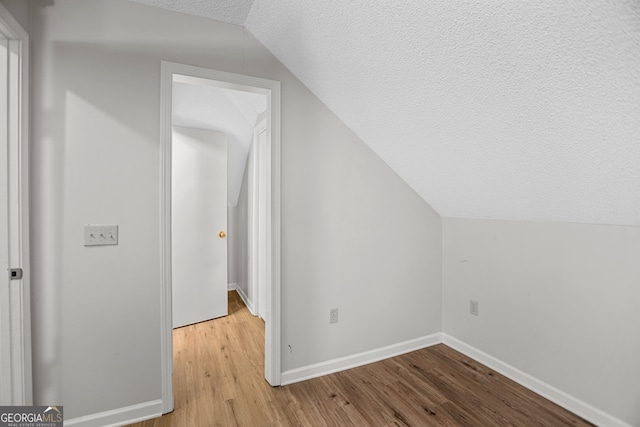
point(474, 308)
point(333, 315)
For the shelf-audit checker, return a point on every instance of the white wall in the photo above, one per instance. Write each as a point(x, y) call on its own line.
point(557, 301)
point(357, 239)
point(354, 236)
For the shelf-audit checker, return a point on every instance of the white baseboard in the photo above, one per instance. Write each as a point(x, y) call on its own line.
point(232, 286)
point(153, 409)
point(336, 365)
point(246, 300)
point(119, 417)
point(578, 407)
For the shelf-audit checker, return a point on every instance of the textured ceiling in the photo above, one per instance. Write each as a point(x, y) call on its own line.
point(524, 110)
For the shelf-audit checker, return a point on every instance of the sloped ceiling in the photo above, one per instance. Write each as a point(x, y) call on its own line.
point(232, 112)
point(230, 11)
point(525, 110)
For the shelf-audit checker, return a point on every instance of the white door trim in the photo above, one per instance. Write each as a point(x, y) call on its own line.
point(259, 263)
point(17, 379)
point(178, 72)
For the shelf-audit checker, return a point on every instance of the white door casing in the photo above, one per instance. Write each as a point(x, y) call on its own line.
point(198, 225)
point(15, 320)
point(259, 275)
point(260, 239)
point(171, 72)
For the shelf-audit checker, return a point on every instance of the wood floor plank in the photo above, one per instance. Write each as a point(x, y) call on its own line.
point(219, 381)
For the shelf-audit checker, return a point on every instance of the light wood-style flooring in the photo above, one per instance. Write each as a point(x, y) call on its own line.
point(219, 381)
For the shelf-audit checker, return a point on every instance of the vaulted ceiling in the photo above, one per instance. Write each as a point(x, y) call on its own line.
point(232, 112)
point(526, 110)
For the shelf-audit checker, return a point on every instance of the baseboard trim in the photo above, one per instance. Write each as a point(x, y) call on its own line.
point(578, 407)
point(233, 286)
point(246, 300)
point(343, 363)
point(119, 417)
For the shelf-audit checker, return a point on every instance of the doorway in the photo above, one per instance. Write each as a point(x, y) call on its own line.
point(170, 73)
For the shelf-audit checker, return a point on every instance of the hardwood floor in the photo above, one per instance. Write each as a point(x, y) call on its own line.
point(219, 381)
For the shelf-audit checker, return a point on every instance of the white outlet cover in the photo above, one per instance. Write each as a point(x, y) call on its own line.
point(474, 308)
point(333, 315)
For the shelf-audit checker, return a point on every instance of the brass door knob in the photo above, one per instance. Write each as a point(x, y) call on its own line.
point(222, 234)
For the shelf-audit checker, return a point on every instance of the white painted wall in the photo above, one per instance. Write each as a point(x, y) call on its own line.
point(354, 236)
point(558, 301)
point(358, 239)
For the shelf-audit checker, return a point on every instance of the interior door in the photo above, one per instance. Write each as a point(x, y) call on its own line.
point(5, 308)
point(198, 225)
point(15, 325)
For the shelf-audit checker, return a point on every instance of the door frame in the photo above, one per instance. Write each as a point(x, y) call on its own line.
point(271, 89)
point(258, 218)
point(17, 308)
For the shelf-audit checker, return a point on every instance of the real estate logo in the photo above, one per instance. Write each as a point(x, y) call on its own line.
point(31, 416)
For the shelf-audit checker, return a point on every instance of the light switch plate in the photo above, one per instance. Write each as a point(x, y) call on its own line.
point(100, 235)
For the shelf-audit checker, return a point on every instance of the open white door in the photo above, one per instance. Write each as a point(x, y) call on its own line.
point(198, 224)
point(15, 320)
